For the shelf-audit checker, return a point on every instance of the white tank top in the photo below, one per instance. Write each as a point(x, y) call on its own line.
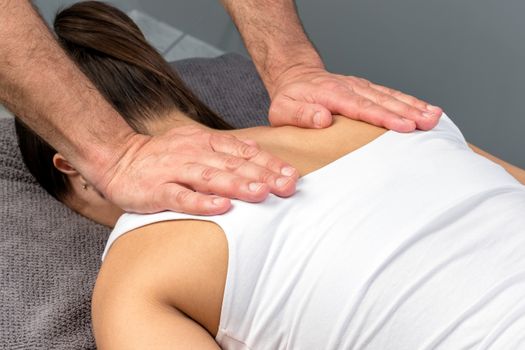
point(410, 242)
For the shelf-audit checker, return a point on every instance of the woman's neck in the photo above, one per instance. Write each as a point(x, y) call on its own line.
point(305, 149)
point(310, 149)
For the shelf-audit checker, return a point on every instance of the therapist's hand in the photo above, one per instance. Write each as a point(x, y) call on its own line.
point(160, 173)
point(308, 96)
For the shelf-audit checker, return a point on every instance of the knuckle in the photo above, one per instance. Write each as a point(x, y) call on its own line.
point(267, 177)
point(406, 110)
point(233, 163)
point(364, 103)
point(384, 99)
point(183, 197)
point(352, 79)
point(332, 85)
point(209, 174)
point(420, 104)
point(413, 110)
point(396, 93)
point(340, 88)
point(364, 82)
point(417, 102)
point(218, 139)
point(234, 185)
point(273, 163)
point(248, 151)
point(299, 114)
point(212, 139)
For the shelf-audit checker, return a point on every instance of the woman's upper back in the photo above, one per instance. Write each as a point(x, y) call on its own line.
point(366, 244)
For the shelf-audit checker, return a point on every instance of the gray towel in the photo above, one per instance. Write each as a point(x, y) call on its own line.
point(50, 256)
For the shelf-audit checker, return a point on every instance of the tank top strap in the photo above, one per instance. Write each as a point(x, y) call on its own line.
point(129, 221)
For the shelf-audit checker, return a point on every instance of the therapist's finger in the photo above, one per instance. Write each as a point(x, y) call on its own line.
point(434, 111)
point(281, 185)
point(171, 196)
point(274, 164)
point(233, 146)
point(206, 179)
point(411, 100)
point(357, 107)
point(287, 111)
point(424, 119)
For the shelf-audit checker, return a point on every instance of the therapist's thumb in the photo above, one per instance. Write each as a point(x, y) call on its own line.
point(285, 111)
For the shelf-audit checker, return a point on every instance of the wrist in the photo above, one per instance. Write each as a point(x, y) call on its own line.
point(100, 153)
point(274, 37)
point(105, 158)
point(285, 58)
point(290, 66)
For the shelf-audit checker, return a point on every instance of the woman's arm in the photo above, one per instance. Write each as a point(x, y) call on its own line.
point(130, 319)
point(161, 287)
point(518, 173)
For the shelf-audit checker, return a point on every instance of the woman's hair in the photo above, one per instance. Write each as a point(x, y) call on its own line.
point(131, 75)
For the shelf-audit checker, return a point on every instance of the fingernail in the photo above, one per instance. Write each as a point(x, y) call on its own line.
point(433, 109)
point(287, 171)
point(282, 181)
point(318, 120)
point(219, 202)
point(255, 186)
point(428, 115)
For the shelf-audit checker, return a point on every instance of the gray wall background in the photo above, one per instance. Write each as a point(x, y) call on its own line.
point(466, 56)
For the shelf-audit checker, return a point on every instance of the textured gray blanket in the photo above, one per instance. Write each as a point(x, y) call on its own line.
point(49, 255)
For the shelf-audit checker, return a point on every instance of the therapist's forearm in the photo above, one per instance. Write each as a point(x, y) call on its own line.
point(274, 36)
point(44, 88)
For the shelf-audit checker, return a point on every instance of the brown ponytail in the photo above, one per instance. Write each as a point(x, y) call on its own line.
point(112, 52)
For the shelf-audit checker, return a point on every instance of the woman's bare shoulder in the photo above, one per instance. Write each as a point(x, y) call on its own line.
point(171, 261)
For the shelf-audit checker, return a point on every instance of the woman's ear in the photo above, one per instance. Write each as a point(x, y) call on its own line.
point(63, 165)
